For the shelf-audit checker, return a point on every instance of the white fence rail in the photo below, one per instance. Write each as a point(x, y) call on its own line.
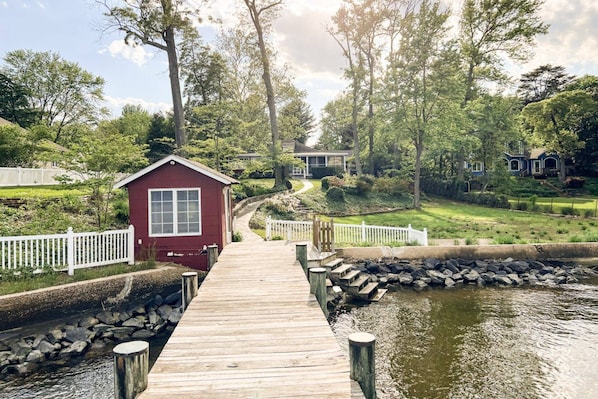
point(68, 251)
point(292, 230)
point(33, 176)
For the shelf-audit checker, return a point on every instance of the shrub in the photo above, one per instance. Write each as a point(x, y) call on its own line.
point(335, 194)
point(471, 241)
point(325, 183)
point(574, 182)
point(394, 185)
point(522, 206)
point(237, 237)
point(322, 171)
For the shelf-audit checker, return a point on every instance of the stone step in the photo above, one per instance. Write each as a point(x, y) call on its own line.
point(357, 285)
point(340, 271)
point(368, 292)
point(348, 278)
point(379, 294)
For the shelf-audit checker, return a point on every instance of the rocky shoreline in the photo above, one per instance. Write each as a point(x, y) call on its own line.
point(22, 355)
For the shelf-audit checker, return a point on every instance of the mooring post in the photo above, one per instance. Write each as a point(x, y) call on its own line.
point(301, 256)
point(189, 289)
point(362, 358)
point(212, 255)
point(317, 286)
point(131, 365)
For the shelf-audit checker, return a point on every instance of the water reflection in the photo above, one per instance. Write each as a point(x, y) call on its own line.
point(483, 343)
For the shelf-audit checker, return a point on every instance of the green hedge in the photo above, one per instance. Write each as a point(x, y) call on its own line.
point(322, 171)
point(453, 189)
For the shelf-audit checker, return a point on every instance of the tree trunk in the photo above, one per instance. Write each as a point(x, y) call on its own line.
point(270, 99)
point(562, 168)
point(175, 88)
point(417, 175)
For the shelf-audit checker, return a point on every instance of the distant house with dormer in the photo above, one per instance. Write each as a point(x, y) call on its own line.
point(311, 157)
point(536, 162)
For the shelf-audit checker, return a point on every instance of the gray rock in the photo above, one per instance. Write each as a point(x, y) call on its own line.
point(452, 265)
point(55, 336)
point(76, 348)
point(87, 322)
point(4, 346)
point(134, 322)
point(143, 334)
point(405, 279)
point(493, 267)
point(35, 356)
point(38, 339)
point(393, 278)
point(78, 334)
point(164, 311)
point(138, 310)
point(158, 328)
point(488, 277)
point(107, 317)
point(449, 282)
point(519, 266)
point(158, 300)
point(472, 276)
point(503, 280)
point(436, 277)
point(101, 328)
point(515, 278)
point(121, 333)
point(173, 298)
point(174, 317)
point(45, 347)
point(419, 284)
point(21, 348)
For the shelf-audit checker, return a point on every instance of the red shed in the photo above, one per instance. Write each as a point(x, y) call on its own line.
point(178, 207)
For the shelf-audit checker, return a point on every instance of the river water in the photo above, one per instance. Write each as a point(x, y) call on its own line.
point(482, 343)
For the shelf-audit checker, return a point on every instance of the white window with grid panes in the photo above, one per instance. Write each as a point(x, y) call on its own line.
point(174, 212)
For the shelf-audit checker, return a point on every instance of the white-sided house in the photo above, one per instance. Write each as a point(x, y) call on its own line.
point(311, 157)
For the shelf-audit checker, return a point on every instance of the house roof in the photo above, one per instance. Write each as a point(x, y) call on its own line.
point(196, 166)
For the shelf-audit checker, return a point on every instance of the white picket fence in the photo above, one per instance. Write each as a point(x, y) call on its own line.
point(68, 251)
point(292, 230)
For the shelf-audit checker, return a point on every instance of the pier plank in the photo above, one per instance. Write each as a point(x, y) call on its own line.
point(253, 331)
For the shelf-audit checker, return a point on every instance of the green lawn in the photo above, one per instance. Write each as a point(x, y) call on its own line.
point(581, 206)
point(41, 192)
point(451, 220)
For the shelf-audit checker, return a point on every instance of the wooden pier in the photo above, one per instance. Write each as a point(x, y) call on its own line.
point(253, 331)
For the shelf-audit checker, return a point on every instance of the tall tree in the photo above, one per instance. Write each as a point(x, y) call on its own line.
point(555, 123)
point(262, 14)
point(542, 82)
point(157, 23)
point(335, 125)
point(490, 31)
point(355, 72)
point(14, 104)
point(61, 92)
point(423, 79)
point(297, 122)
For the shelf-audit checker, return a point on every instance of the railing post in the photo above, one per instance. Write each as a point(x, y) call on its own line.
point(131, 245)
point(70, 251)
point(425, 239)
point(317, 286)
point(189, 288)
point(131, 365)
point(301, 255)
point(362, 358)
point(409, 234)
point(363, 231)
point(212, 255)
point(268, 228)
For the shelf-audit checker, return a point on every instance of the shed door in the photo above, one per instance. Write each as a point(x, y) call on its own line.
point(227, 217)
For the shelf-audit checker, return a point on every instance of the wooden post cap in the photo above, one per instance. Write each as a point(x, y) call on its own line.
point(132, 348)
point(189, 274)
point(317, 270)
point(362, 339)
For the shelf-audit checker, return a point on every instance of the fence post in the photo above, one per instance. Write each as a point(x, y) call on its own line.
point(70, 251)
point(212, 255)
point(189, 289)
point(362, 358)
point(131, 245)
point(409, 233)
point(317, 286)
point(301, 255)
point(268, 228)
point(363, 238)
point(131, 365)
point(425, 243)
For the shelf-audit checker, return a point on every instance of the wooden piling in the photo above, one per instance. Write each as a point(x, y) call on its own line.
point(131, 366)
point(189, 288)
point(317, 286)
point(301, 255)
point(212, 255)
point(362, 349)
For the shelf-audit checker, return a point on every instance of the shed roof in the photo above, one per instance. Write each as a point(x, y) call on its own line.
point(196, 166)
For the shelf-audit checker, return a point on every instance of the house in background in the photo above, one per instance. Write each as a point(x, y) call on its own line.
point(177, 207)
point(536, 162)
point(311, 157)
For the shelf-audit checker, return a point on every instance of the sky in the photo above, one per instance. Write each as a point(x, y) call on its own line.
point(72, 28)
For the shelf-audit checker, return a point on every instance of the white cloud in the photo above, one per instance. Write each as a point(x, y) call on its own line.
point(40, 5)
point(136, 54)
point(4, 4)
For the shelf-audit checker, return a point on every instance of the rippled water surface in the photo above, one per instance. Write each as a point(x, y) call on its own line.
point(528, 343)
point(523, 343)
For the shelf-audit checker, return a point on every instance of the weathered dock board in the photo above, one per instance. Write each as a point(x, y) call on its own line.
point(253, 331)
